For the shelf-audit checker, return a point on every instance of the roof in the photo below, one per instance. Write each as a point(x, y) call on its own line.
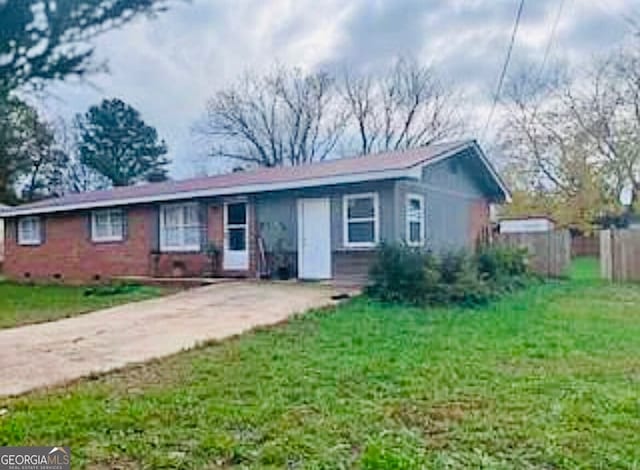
point(527, 217)
point(397, 164)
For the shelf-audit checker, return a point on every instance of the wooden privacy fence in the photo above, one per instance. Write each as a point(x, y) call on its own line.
point(585, 245)
point(550, 252)
point(620, 255)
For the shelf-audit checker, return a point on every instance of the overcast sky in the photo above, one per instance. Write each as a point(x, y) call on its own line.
point(168, 67)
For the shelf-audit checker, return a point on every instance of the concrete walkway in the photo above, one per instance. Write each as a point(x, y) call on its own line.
point(53, 353)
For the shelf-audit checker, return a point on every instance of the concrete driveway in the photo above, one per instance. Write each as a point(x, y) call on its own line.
point(53, 353)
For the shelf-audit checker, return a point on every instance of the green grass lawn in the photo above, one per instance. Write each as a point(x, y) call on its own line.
point(22, 304)
point(585, 269)
point(548, 378)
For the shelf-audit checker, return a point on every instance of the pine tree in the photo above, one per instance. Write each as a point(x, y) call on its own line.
point(119, 145)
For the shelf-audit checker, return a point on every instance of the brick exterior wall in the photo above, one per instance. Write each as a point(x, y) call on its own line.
point(68, 254)
point(68, 251)
point(479, 226)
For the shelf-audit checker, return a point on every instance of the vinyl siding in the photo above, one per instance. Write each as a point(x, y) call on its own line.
point(451, 192)
point(278, 217)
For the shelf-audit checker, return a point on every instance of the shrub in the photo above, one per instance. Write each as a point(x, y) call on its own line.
point(403, 274)
point(398, 274)
point(505, 268)
point(461, 281)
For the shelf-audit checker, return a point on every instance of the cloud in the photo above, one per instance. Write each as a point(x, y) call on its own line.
point(167, 67)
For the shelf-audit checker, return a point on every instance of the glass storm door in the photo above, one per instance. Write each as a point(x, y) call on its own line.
point(236, 237)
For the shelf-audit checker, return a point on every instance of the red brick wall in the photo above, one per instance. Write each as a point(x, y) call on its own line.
point(67, 249)
point(479, 221)
point(215, 227)
point(193, 264)
point(180, 265)
point(69, 252)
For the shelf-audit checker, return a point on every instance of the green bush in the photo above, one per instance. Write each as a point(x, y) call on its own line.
point(504, 268)
point(460, 280)
point(398, 274)
point(402, 274)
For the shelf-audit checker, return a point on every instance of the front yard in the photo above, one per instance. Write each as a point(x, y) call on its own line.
point(22, 304)
point(547, 378)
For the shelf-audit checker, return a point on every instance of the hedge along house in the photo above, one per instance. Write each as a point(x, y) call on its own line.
point(320, 221)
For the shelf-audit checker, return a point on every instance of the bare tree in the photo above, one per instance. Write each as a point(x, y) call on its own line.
point(68, 174)
point(42, 154)
point(53, 164)
point(360, 96)
point(548, 155)
point(535, 137)
point(283, 118)
point(403, 108)
point(606, 108)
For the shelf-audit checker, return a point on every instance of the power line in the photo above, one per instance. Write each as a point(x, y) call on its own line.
point(505, 66)
point(552, 36)
point(547, 51)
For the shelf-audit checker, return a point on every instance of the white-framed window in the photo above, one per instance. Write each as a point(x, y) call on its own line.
point(415, 220)
point(180, 227)
point(361, 220)
point(107, 225)
point(237, 226)
point(29, 231)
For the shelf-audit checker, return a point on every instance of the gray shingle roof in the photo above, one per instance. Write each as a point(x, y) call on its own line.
point(252, 181)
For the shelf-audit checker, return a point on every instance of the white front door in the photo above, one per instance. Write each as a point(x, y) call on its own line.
point(236, 236)
point(314, 238)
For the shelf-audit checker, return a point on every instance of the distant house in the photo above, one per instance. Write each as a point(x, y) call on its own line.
point(322, 220)
point(527, 224)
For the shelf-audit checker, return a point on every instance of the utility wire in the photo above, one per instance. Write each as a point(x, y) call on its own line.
point(547, 51)
point(552, 37)
point(505, 66)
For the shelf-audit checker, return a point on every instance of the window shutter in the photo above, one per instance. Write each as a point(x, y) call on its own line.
point(43, 230)
point(90, 226)
point(156, 213)
point(125, 224)
point(203, 222)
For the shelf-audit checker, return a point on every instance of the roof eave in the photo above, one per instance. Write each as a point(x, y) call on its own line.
point(409, 171)
point(215, 192)
point(506, 193)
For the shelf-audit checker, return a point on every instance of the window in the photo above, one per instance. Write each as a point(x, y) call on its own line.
point(236, 223)
point(415, 220)
point(180, 227)
point(107, 225)
point(361, 224)
point(29, 231)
